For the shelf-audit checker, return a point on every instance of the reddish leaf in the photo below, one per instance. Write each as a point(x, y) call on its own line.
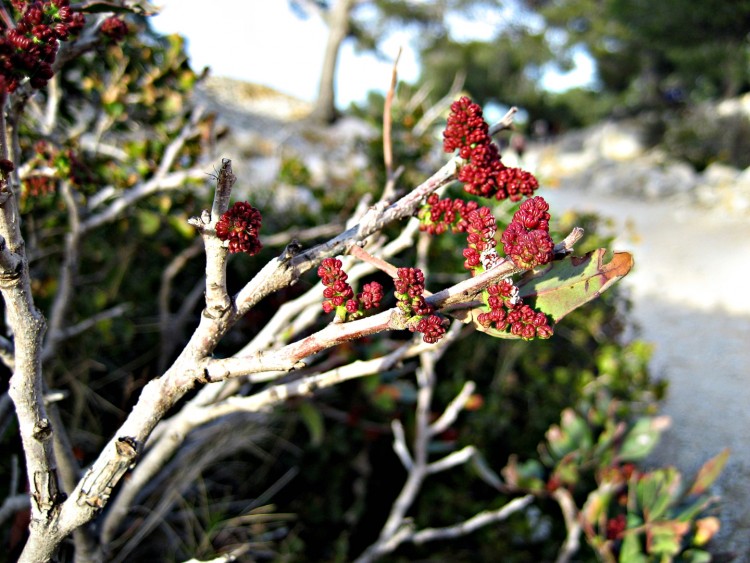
point(709, 472)
point(564, 285)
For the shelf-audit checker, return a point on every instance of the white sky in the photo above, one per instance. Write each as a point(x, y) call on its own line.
point(262, 41)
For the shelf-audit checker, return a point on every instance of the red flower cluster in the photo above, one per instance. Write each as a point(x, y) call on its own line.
point(30, 48)
point(409, 290)
point(526, 240)
point(339, 293)
point(483, 173)
point(507, 312)
point(240, 225)
point(409, 293)
point(114, 28)
point(432, 328)
point(371, 296)
point(480, 254)
point(616, 527)
point(438, 216)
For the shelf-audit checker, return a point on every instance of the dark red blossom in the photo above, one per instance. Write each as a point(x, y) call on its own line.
point(466, 126)
point(507, 313)
point(410, 282)
point(240, 225)
point(371, 296)
point(480, 254)
point(528, 323)
point(432, 327)
point(482, 172)
point(526, 240)
point(29, 49)
point(409, 290)
point(337, 292)
point(115, 29)
point(616, 527)
point(438, 216)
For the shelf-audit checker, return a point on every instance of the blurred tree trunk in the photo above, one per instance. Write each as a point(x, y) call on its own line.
point(338, 28)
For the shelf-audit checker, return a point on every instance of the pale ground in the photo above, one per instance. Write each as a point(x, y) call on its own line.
point(692, 300)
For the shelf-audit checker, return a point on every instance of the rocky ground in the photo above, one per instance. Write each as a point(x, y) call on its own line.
point(689, 289)
point(689, 233)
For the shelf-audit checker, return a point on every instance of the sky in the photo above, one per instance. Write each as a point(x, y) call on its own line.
point(264, 42)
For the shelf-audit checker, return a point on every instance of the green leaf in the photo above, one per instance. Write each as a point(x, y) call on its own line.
point(528, 475)
point(657, 491)
point(665, 538)
point(572, 434)
point(148, 222)
point(642, 438)
point(709, 472)
point(596, 505)
point(313, 420)
point(564, 285)
point(630, 550)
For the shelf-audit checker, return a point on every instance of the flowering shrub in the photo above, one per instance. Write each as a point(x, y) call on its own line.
point(105, 213)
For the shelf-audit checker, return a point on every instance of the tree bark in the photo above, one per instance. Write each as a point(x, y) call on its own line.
point(324, 110)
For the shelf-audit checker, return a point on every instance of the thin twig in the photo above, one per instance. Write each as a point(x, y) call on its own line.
point(572, 524)
point(388, 120)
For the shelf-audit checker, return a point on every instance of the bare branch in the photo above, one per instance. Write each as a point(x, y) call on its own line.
point(451, 412)
point(505, 123)
point(399, 445)
point(572, 524)
point(477, 521)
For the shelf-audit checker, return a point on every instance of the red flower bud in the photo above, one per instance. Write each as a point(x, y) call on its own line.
point(240, 226)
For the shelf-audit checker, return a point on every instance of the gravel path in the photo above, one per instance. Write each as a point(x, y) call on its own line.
point(691, 299)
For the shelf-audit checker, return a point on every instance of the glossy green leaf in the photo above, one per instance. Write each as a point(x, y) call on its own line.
point(642, 438)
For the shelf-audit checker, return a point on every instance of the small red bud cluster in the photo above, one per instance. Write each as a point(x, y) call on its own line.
point(480, 254)
point(371, 296)
point(438, 216)
point(337, 291)
point(526, 240)
point(339, 295)
point(616, 527)
point(483, 173)
point(240, 226)
point(409, 293)
point(115, 29)
point(507, 312)
point(30, 48)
